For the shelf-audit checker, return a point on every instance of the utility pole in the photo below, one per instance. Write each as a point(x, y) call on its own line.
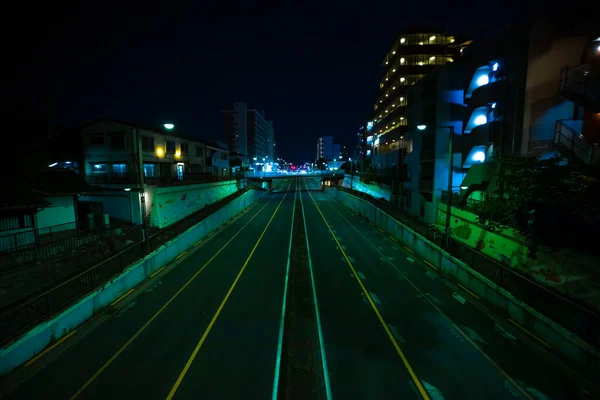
point(449, 199)
point(140, 162)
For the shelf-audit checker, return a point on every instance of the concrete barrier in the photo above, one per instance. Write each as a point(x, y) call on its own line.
point(540, 325)
point(36, 340)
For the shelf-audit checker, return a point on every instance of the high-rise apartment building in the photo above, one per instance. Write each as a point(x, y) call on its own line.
point(413, 54)
point(248, 132)
point(325, 148)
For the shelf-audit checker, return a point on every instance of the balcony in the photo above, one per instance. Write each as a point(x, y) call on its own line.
point(566, 134)
point(581, 85)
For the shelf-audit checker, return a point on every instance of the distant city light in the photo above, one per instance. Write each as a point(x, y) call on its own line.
point(169, 126)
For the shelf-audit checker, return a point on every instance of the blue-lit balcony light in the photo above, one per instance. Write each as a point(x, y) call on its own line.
point(493, 105)
point(483, 80)
point(495, 67)
point(481, 77)
point(480, 120)
point(369, 125)
point(479, 116)
point(477, 155)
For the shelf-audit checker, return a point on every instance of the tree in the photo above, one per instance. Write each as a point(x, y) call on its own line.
point(538, 199)
point(321, 164)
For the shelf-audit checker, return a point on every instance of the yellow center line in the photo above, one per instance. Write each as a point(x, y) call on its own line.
point(198, 243)
point(157, 271)
point(384, 324)
point(122, 297)
point(143, 328)
point(34, 359)
point(459, 330)
point(189, 362)
point(430, 264)
point(181, 255)
point(529, 333)
point(467, 290)
point(407, 249)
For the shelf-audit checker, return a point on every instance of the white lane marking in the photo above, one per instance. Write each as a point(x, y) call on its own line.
point(505, 334)
point(535, 394)
point(434, 393)
point(474, 336)
point(375, 297)
point(434, 299)
point(316, 304)
point(430, 275)
point(410, 259)
point(275, 394)
point(396, 334)
point(361, 275)
point(124, 309)
point(459, 298)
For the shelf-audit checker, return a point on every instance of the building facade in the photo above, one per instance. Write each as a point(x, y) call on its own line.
point(248, 132)
point(505, 97)
point(412, 56)
point(325, 148)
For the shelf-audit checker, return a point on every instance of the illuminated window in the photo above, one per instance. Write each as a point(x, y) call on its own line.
point(394, 52)
point(394, 88)
point(421, 43)
point(386, 63)
point(431, 58)
point(402, 60)
point(393, 70)
point(402, 40)
point(402, 79)
point(431, 39)
point(420, 62)
point(386, 95)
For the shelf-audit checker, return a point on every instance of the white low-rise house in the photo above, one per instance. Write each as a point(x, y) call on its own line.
point(180, 174)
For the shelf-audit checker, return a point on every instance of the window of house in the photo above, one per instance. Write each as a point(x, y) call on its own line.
point(119, 169)
point(224, 156)
point(149, 170)
point(96, 140)
point(170, 147)
point(199, 151)
point(184, 148)
point(147, 143)
point(117, 141)
point(16, 222)
point(98, 167)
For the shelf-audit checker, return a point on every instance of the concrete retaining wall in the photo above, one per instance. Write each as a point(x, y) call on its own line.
point(41, 336)
point(557, 336)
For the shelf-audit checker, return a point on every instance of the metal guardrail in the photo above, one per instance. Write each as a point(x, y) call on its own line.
point(169, 180)
point(17, 318)
point(570, 314)
point(44, 248)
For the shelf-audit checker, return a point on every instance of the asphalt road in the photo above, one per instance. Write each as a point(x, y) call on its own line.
point(208, 326)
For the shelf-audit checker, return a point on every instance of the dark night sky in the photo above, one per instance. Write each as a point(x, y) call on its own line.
point(313, 68)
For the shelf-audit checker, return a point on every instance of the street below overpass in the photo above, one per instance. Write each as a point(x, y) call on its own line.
point(220, 322)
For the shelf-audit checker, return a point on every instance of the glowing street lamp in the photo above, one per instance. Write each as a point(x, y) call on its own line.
point(169, 126)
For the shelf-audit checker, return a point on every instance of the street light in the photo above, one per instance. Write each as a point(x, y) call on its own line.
point(450, 168)
point(169, 126)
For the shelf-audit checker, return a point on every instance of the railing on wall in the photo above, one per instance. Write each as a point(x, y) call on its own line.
point(575, 317)
point(16, 318)
point(169, 180)
point(574, 142)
